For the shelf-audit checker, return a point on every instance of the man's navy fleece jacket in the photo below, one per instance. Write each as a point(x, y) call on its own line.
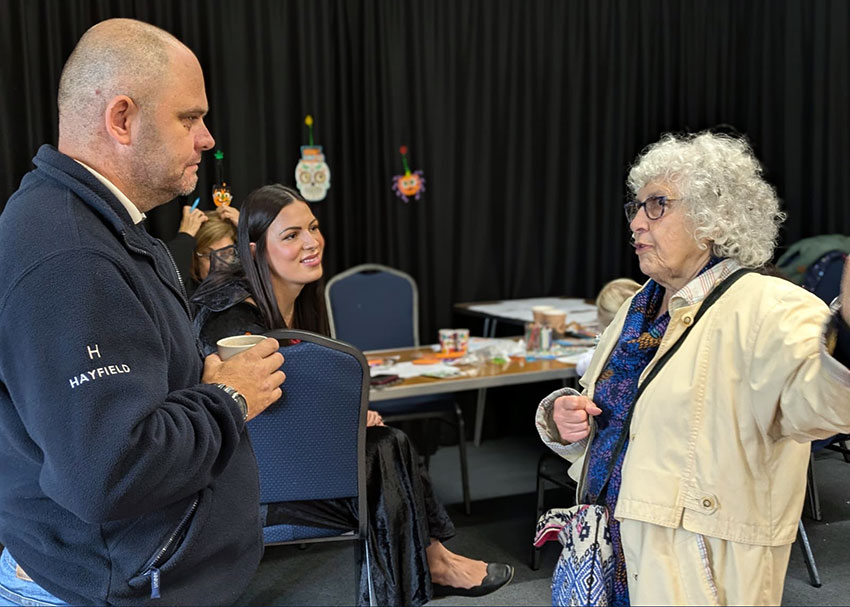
point(120, 473)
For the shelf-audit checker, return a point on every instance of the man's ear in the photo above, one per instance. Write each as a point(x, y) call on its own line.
point(121, 112)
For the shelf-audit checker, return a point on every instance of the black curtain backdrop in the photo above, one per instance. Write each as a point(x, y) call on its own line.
point(523, 114)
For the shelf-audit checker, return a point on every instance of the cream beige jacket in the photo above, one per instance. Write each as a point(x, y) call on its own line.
point(719, 440)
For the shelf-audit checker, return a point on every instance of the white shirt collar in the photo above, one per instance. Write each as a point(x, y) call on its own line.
point(135, 214)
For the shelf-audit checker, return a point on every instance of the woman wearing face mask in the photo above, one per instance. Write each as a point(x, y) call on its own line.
point(204, 238)
point(215, 247)
point(279, 286)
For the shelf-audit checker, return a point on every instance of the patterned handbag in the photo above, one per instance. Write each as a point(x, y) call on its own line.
point(584, 574)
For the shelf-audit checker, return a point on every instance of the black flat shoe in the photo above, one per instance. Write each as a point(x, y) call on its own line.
point(498, 575)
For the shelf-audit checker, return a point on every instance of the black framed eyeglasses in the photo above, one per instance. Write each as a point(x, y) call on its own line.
point(654, 207)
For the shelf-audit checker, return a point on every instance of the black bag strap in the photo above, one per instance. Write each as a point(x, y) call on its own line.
point(715, 294)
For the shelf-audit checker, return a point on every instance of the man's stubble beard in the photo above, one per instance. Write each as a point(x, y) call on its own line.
point(152, 176)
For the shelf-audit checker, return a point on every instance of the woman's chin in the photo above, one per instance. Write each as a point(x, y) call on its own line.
point(646, 268)
point(313, 273)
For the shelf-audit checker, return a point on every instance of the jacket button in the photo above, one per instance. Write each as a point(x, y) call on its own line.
point(687, 320)
point(707, 502)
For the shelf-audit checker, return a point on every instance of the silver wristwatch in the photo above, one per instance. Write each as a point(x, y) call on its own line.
point(240, 400)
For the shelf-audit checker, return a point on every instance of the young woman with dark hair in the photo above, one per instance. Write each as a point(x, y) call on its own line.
point(279, 286)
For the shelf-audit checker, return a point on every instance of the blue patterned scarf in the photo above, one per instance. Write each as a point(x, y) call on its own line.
point(616, 388)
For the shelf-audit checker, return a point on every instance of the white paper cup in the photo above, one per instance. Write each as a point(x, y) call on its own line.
point(231, 346)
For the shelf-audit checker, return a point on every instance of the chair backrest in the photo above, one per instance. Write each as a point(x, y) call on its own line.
point(373, 307)
point(310, 444)
point(801, 255)
point(823, 277)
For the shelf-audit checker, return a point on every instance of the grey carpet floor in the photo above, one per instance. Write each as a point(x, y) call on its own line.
point(500, 527)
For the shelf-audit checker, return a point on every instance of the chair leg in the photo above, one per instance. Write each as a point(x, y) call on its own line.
point(541, 490)
point(808, 557)
point(361, 551)
point(359, 555)
point(812, 490)
point(464, 465)
point(481, 402)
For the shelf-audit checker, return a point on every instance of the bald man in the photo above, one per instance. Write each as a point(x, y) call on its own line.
point(127, 474)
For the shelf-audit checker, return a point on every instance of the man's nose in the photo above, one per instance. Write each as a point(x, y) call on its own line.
point(205, 139)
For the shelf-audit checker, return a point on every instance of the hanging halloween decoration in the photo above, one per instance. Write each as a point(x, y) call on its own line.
point(220, 192)
point(312, 174)
point(411, 184)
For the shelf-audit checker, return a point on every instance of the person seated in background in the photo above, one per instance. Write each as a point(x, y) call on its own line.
point(611, 296)
point(215, 245)
point(193, 237)
point(279, 286)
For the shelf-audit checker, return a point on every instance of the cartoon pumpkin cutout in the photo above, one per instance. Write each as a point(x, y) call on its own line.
point(411, 184)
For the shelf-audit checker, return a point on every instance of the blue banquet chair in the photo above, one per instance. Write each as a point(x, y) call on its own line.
point(305, 456)
point(375, 307)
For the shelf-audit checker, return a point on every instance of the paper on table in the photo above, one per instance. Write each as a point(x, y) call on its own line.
point(573, 358)
point(520, 309)
point(479, 343)
point(407, 369)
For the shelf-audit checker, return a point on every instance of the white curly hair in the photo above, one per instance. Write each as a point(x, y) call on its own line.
point(725, 195)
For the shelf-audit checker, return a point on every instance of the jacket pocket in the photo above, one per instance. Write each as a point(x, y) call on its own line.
point(696, 573)
point(706, 569)
point(167, 555)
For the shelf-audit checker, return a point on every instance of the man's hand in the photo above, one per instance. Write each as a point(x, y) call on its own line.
point(192, 221)
point(570, 414)
point(255, 373)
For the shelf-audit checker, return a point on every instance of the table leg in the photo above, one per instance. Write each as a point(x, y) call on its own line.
point(492, 333)
point(479, 415)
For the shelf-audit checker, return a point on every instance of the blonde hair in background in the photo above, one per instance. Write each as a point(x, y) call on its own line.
point(213, 229)
point(611, 297)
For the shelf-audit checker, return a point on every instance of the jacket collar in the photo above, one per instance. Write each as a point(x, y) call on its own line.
point(84, 184)
point(136, 215)
point(700, 286)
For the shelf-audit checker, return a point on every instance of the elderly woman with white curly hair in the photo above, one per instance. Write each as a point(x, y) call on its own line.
point(699, 404)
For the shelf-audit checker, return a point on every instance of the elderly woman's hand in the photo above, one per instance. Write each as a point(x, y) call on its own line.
point(570, 414)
